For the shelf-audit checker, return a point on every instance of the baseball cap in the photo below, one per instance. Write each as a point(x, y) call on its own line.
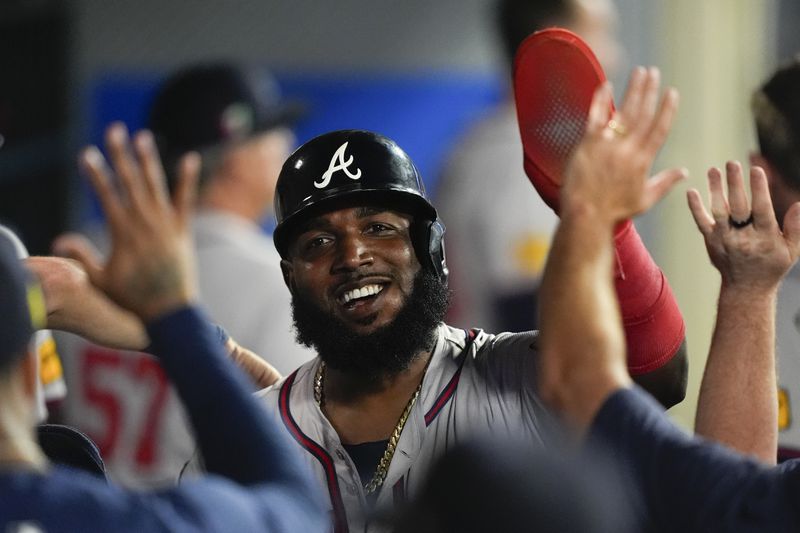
point(209, 104)
point(21, 305)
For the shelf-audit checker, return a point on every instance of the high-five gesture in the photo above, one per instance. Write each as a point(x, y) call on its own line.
point(583, 349)
point(752, 255)
point(151, 268)
point(609, 169)
point(746, 244)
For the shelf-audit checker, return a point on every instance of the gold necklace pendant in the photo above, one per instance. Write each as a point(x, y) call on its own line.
point(383, 465)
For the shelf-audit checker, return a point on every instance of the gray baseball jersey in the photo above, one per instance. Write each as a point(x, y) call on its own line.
point(476, 384)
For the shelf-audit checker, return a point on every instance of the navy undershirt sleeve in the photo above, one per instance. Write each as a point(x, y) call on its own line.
point(690, 484)
point(256, 481)
point(237, 437)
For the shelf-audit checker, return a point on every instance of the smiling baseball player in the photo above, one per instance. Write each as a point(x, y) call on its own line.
point(393, 387)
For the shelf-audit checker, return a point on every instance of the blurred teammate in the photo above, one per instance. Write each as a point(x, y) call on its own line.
point(52, 388)
point(499, 229)
point(776, 111)
point(235, 118)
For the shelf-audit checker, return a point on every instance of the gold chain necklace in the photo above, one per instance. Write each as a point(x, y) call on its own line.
point(383, 465)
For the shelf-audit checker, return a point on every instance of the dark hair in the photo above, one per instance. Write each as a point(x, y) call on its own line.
point(776, 109)
point(516, 19)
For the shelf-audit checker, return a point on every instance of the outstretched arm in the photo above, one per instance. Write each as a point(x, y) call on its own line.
point(76, 306)
point(583, 347)
point(738, 400)
point(150, 272)
point(686, 484)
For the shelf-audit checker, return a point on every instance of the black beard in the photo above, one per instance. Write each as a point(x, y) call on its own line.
point(387, 350)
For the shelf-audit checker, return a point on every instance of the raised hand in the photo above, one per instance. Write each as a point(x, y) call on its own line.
point(745, 243)
point(609, 169)
point(151, 267)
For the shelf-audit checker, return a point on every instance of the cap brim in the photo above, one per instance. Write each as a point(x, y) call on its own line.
point(288, 113)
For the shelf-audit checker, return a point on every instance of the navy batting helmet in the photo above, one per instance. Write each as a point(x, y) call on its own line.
point(342, 167)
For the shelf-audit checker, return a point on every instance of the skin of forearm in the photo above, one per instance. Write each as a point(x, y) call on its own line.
point(738, 401)
point(128, 332)
point(262, 373)
point(75, 306)
point(582, 345)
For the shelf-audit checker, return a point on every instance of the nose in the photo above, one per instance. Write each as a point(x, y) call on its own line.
point(352, 252)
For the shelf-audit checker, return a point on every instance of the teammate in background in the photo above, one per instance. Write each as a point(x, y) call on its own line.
point(52, 389)
point(61, 444)
point(499, 229)
point(393, 386)
point(685, 484)
point(237, 121)
point(235, 118)
point(257, 482)
point(777, 117)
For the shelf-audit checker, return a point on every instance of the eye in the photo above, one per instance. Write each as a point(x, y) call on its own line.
point(315, 242)
point(378, 228)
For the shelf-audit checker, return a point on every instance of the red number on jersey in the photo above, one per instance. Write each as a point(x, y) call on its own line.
point(143, 369)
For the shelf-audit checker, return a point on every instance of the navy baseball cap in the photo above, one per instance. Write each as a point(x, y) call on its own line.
point(21, 305)
point(210, 104)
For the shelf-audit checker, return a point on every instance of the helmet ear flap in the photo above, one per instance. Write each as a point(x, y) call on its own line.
point(436, 248)
point(429, 245)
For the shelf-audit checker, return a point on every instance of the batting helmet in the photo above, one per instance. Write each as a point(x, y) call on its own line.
point(343, 167)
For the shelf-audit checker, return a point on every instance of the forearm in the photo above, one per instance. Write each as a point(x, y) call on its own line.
point(653, 324)
point(101, 322)
point(738, 401)
point(76, 306)
point(262, 373)
point(582, 347)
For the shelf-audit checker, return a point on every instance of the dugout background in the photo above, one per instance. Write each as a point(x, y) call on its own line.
point(416, 70)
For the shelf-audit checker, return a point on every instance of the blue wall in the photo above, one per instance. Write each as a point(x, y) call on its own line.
point(424, 113)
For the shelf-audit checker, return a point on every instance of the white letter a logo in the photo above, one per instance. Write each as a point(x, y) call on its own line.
point(338, 163)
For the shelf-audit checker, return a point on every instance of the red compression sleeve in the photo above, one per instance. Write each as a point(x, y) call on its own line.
point(654, 327)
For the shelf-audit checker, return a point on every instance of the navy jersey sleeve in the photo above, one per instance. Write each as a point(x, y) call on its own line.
point(684, 483)
point(236, 436)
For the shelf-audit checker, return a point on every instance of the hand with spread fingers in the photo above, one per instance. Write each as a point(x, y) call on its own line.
point(752, 255)
point(746, 244)
point(609, 169)
point(150, 269)
point(583, 347)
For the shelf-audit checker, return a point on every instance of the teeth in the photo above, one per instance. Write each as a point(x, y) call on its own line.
point(367, 290)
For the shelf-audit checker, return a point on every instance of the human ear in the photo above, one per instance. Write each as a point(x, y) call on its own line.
point(288, 275)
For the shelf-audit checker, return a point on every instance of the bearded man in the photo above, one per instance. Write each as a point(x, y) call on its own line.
point(393, 387)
